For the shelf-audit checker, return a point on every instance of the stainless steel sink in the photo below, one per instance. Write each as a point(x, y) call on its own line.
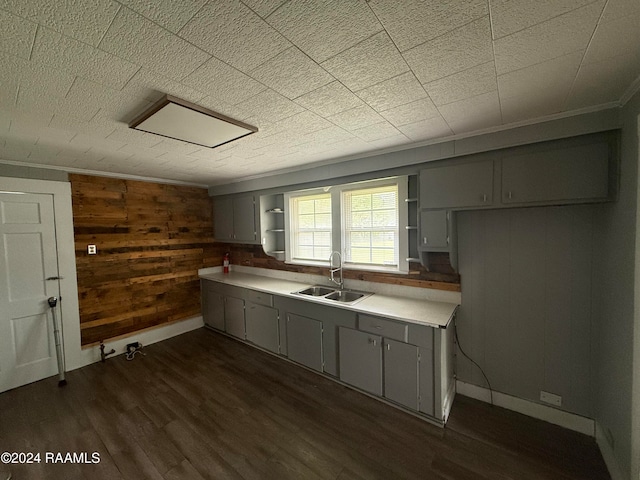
point(316, 291)
point(331, 295)
point(345, 296)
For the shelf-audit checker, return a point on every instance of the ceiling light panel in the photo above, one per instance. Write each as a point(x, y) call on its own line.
point(182, 120)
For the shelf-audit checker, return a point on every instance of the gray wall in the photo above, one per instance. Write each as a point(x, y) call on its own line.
point(526, 301)
point(614, 276)
point(7, 170)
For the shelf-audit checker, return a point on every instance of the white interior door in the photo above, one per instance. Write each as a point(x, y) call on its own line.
point(28, 256)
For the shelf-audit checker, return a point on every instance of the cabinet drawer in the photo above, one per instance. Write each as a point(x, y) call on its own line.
point(421, 336)
point(382, 327)
point(260, 298)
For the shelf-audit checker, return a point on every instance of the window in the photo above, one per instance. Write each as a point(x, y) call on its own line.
point(370, 225)
point(311, 227)
point(360, 220)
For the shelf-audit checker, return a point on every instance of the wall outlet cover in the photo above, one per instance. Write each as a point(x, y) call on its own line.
point(550, 398)
point(91, 249)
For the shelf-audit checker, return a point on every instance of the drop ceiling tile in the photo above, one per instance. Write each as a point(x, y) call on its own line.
point(394, 92)
point(426, 129)
point(465, 84)
point(17, 35)
point(324, 29)
point(417, 21)
point(614, 37)
point(475, 113)
point(329, 100)
point(98, 126)
point(36, 101)
point(551, 77)
point(372, 61)
point(301, 123)
point(152, 86)
point(56, 51)
point(291, 73)
point(269, 106)
point(356, 118)
point(85, 21)
point(172, 146)
point(510, 16)
point(130, 149)
point(221, 81)
point(264, 8)
point(554, 38)
point(376, 131)
point(15, 150)
point(135, 137)
point(169, 14)
point(16, 72)
point(84, 143)
point(141, 41)
point(605, 81)
point(233, 33)
point(23, 132)
point(8, 95)
point(616, 9)
point(422, 109)
point(453, 52)
point(220, 106)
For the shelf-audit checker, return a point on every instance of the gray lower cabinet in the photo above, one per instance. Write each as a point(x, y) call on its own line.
point(234, 317)
point(361, 360)
point(262, 326)
point(212, 305)
point(304, 341)
point(401, 373)
point(426, 382)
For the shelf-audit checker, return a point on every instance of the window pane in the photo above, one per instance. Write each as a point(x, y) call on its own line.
point(311, 226)
point(370, 221)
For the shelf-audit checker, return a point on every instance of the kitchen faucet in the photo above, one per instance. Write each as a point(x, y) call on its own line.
point(333, 269)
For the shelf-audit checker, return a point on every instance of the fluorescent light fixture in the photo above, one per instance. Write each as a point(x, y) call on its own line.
point(185, 121)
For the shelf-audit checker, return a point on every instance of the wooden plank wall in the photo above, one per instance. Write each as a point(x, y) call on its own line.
point(151, 239)
point(440, 276)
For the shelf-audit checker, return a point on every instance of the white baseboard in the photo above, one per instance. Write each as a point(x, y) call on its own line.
point(146, 337)
point(564, 419)
point(607, 454)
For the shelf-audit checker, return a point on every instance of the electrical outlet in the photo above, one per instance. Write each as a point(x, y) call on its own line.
point(91, 249)
point(550, 398)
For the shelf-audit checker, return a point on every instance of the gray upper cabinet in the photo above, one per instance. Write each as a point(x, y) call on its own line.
point(212, 305)
point(457, 186)
point(401, 373)
point(304, 341)
point(235, 219)
point(262, 326)
point(234, 317)
point(361, 360)
point(434, 230)
point(577, 173)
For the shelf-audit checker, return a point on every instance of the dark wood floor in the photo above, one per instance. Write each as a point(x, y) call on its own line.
point(203, 406)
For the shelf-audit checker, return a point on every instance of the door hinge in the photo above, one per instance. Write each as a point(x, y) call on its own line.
point(54, 278)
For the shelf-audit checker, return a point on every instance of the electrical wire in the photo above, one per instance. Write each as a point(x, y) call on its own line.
point(455, 331)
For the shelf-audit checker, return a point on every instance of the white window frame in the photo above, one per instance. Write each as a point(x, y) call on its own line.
point(337, 235)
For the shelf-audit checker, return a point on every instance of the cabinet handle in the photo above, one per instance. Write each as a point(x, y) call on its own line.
point(372, 341)
point(484, 197)
point(447, 239)
point(424, 240)
point(388, 346)
point(509, 195)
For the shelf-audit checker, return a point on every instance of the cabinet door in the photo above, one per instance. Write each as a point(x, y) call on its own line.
point(576, 173)
point(426, 381)
point(234, 317)
point(457, 186)
point(223, 219)
point(244, 224)
point(401, 373)
point(434, 229)
point(361, 360)
point(212, 306)
point(262, 326)
point(304, 341)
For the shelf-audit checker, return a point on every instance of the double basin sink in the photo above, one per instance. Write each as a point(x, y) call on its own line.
point(332, 295)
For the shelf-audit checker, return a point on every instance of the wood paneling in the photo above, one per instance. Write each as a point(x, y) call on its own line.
point(151, 239)
point(254, 256)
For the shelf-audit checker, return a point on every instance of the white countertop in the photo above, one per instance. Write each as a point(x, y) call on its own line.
point(413, 310)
